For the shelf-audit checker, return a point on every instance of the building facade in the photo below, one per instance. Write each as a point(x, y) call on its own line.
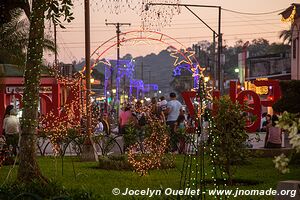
point(292, 15)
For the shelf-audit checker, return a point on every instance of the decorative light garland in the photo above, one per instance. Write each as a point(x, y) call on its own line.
point(292, 16)
point(194, 171)
point(153, 17)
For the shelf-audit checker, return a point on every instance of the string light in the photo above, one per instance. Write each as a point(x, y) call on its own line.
point(153, 147)
point(292, 16)
point(153, 17)
point(194, 166)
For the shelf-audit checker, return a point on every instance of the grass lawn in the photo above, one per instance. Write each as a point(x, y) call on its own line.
point(101, 182)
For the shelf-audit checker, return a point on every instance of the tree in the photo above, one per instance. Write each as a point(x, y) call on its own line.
point(14, 39)
point(286, 35)
point(289, 100)
point(29, 170)
point(10, 5)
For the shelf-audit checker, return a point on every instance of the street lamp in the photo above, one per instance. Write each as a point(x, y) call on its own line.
point(92, 80)
point(236, 70)
point(218, 34)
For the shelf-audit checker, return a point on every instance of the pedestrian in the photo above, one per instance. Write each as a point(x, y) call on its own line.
point(163, 103)
point(263, 120)
point(6, 114)
point(156, 110)
point(139, 114)
point(174, 108)
point(99, 127)
point(266, 122)
point(12, 130)
point(125, 119)
point(180, 128)
point(273, 134)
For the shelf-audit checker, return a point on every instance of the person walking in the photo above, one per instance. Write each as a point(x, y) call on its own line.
point(125, 119)
point(156, 110)
point(174, 107)
point(11, 126)
point(6, 114)
point(273, 134)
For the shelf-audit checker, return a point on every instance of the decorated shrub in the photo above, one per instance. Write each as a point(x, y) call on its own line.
point(229, 136)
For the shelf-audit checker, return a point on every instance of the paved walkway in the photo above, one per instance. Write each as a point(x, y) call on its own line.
point(115, 149)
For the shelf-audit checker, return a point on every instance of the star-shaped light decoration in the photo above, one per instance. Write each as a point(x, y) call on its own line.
point(182, 56)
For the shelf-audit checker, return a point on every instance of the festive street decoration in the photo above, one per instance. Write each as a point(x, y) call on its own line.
point(152, 17)
point(138, 84)
point(291, 17)
point(132, 38)
point(149, 87)
point(157, 17)
point(122, 68)
point(191, 68)
point(182, 56)
point(149, 153)
point(56, 124)
point(194, 172)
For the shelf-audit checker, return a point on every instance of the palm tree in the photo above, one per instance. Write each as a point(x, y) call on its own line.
point(286, 35)
point(14, 39)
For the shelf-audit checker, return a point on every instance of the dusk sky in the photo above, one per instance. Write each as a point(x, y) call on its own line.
point(184, 27)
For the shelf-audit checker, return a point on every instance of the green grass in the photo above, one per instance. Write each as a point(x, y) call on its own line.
point(101, 182)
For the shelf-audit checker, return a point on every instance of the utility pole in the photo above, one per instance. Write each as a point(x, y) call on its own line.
point(55, 46)
point(220, 74)
point(214, 60)
point(89, 146)
point(118, 31)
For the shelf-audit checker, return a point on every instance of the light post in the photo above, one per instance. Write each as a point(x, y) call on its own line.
point(218, 34)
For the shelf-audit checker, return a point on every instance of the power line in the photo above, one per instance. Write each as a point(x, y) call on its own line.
point(172, 28)
point(249, 13)
point(97, 25)
point(192, 37)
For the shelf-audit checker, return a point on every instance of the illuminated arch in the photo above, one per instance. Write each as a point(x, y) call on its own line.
point(144, 35)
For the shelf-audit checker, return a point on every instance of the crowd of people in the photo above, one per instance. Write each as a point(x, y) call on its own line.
point(169, 112)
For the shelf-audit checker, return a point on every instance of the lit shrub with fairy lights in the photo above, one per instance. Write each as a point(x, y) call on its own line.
point(61, 130)
point(229, 136)
point(150, 153)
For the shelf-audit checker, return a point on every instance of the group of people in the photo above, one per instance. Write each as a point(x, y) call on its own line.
point(11, 128)
point(169, 112)
point(273, 137)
